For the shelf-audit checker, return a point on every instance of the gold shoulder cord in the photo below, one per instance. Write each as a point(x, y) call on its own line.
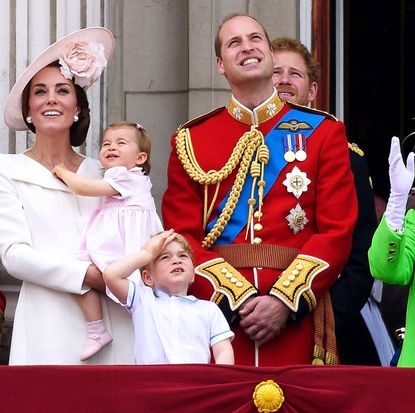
point(250, 143)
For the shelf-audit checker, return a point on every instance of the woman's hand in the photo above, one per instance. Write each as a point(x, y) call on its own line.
point(93, 278)
point(401, 176)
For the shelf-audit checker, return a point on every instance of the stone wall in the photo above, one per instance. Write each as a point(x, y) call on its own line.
point(164, 71)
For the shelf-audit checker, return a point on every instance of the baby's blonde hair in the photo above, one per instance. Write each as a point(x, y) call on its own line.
point(142, 138)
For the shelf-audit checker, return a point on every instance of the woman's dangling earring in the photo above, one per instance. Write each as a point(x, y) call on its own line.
point(75, 118)
point(28, 119)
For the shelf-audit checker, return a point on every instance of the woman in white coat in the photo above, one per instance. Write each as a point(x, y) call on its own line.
point(40, 219)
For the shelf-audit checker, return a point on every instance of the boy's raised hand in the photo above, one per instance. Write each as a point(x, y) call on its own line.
point(156, 244)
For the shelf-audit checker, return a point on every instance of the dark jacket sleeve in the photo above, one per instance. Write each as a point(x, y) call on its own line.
point(351, 291)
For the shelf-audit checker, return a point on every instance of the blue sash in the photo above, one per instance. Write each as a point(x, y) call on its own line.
point(306, 122)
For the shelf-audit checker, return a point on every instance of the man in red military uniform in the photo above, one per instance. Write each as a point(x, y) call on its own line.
point(264, 192)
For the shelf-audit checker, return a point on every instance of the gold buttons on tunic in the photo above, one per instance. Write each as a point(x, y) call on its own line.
point(257, 240)
point(258, 227)
point(229, 275)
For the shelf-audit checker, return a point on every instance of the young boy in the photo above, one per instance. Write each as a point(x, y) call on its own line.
point(170, 326)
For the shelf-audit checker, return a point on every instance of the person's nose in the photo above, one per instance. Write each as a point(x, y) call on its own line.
point(51, 97)
point(177, 259)
point(283, 78)
point(246, 45)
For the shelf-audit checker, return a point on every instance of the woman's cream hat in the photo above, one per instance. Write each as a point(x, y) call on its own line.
point(82, 54)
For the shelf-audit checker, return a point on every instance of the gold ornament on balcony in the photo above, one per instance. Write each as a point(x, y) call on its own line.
point(268, 396)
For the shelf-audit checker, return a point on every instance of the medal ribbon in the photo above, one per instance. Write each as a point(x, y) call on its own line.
point(275, 142)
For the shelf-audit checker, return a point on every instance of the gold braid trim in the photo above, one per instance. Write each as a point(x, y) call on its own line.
point(295, 281)
point(226, 281)
point(242, 154)
point(325, 349)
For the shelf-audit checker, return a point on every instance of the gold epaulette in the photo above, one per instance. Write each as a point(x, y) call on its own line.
point(312, 110)
point(355, 148)
point(226, 280)
point(295, 281)
point(201, 118)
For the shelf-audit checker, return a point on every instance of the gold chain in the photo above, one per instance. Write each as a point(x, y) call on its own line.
point(242, 153)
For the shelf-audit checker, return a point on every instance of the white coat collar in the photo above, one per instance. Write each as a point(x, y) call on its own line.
point(25, 169)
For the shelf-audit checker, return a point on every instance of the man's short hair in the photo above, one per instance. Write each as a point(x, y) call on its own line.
point(218, 43)
point(293, 45)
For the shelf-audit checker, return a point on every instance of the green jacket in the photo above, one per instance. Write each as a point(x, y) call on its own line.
point(392, 260)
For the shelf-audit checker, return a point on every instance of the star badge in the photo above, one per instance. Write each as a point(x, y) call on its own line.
point(296, 219)
point(272, 108)
point(237, 113)
point(296, 182)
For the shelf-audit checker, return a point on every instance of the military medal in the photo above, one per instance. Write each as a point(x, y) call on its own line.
point(296, 219)
point(296, 182)
point(289, 155)
point(300, 153)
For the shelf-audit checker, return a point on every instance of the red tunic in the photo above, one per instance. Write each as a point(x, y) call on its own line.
point(329, 205)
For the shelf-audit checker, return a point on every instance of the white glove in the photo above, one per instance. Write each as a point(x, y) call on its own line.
point(401, 180)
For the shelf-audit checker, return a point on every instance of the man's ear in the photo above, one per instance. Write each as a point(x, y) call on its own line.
point(219, 66)
point(147, 278)
point(312, 91)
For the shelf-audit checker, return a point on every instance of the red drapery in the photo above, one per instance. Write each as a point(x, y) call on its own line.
point(203, 388)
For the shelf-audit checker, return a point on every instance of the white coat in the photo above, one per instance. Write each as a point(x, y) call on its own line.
point(40, 224)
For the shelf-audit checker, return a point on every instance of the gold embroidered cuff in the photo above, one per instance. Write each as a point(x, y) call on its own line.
point(296, 281)
point(226, 280)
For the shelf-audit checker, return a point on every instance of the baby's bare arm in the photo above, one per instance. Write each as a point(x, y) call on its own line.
point(81, 185)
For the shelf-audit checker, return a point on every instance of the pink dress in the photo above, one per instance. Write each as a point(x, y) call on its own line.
point(123, 223)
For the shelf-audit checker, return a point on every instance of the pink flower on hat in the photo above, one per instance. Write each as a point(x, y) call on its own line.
point(84, 61)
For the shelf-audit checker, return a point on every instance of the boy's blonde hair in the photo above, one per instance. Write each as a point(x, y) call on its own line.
point(142, 138)
point(180, 239)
